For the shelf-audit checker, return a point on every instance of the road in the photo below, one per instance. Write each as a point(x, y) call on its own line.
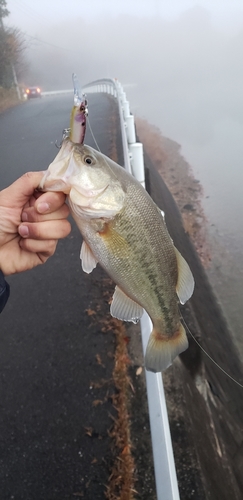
point(55, 440)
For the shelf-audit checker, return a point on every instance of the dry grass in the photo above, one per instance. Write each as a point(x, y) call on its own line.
point(121, 480)
point(8, 99)
point(179, 178)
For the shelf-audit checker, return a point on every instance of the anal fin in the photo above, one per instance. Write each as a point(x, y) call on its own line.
point(185, 283)
point(124, 308)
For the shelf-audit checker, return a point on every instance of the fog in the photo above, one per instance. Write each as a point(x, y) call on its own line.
point(187, 74)
point(185, 67)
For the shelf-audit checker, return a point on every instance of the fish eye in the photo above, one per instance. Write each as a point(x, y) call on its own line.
point(88, 160)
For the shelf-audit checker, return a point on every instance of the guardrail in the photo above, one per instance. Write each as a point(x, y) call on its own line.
point(164, 465)
point(132, 150)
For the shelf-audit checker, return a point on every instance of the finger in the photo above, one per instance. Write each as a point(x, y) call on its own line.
point(33, 198)
point(31, 215)
point(43, 248)
point(49, 202)
point(31, 201)
point(18, 193)
point(46, 230)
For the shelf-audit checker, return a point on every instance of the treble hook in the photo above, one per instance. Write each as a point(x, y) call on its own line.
point(65, 135)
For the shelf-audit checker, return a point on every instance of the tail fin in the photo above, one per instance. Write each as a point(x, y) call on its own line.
point(161, 350)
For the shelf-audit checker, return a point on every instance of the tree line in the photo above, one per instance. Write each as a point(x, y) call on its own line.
point(12, 45)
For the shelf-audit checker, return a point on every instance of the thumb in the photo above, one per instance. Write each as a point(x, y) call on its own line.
point(18, 193)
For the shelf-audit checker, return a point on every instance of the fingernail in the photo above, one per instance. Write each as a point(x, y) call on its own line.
point(43, 207)
point(24, 216)
point(24, 231)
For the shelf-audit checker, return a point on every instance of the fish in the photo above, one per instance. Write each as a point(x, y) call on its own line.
point(125, 232)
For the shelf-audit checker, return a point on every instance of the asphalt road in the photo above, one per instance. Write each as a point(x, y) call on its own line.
point(48, 341)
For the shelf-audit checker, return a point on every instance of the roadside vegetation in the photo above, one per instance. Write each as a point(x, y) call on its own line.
point(12, 45)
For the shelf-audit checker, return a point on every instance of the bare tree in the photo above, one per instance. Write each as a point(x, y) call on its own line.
point(12, 45)
point(3, 11)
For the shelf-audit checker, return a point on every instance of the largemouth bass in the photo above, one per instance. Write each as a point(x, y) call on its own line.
point(124, 230)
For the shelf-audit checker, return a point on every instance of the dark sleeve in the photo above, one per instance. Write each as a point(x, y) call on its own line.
point(4, 291)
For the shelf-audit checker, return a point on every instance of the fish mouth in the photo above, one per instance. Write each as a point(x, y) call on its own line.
point(87, 192)
point(49, 184)
point(57, 186)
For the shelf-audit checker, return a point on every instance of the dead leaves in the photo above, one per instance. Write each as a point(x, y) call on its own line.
point(98, 359)
point(97, 402)
point(89, 431)
point(90, 312)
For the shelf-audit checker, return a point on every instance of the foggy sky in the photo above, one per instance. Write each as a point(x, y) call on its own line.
point(186, 64)
point(28, 14)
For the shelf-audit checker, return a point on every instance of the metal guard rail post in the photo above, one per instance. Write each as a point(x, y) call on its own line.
point(164, 465)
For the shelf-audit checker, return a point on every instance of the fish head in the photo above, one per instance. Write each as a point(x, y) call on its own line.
point(88, 178)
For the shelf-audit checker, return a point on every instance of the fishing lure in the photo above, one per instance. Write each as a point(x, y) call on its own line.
point(78, 114)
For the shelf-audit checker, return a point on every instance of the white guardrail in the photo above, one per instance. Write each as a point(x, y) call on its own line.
point(164, 465)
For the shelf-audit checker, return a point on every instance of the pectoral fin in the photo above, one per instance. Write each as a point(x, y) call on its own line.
point(124, 308)
point(185, 283)
point(88, 259)
point(114, 241)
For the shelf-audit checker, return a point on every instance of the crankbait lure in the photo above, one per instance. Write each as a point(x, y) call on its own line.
point(78, 114)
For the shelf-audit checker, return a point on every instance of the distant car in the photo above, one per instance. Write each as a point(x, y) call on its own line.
point(33, 92)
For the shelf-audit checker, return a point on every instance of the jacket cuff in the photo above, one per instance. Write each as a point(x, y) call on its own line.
point(4, 291)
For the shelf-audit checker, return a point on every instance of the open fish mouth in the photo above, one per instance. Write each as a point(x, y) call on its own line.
point(50, 184)
point(64, 184)
point(86, 191)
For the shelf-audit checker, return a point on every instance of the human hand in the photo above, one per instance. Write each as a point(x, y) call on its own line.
point(30, 224)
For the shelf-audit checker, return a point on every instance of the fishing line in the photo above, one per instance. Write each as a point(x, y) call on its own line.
point(90, 128)
point(208, 355)
point(97, 145)
point(92, 134)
